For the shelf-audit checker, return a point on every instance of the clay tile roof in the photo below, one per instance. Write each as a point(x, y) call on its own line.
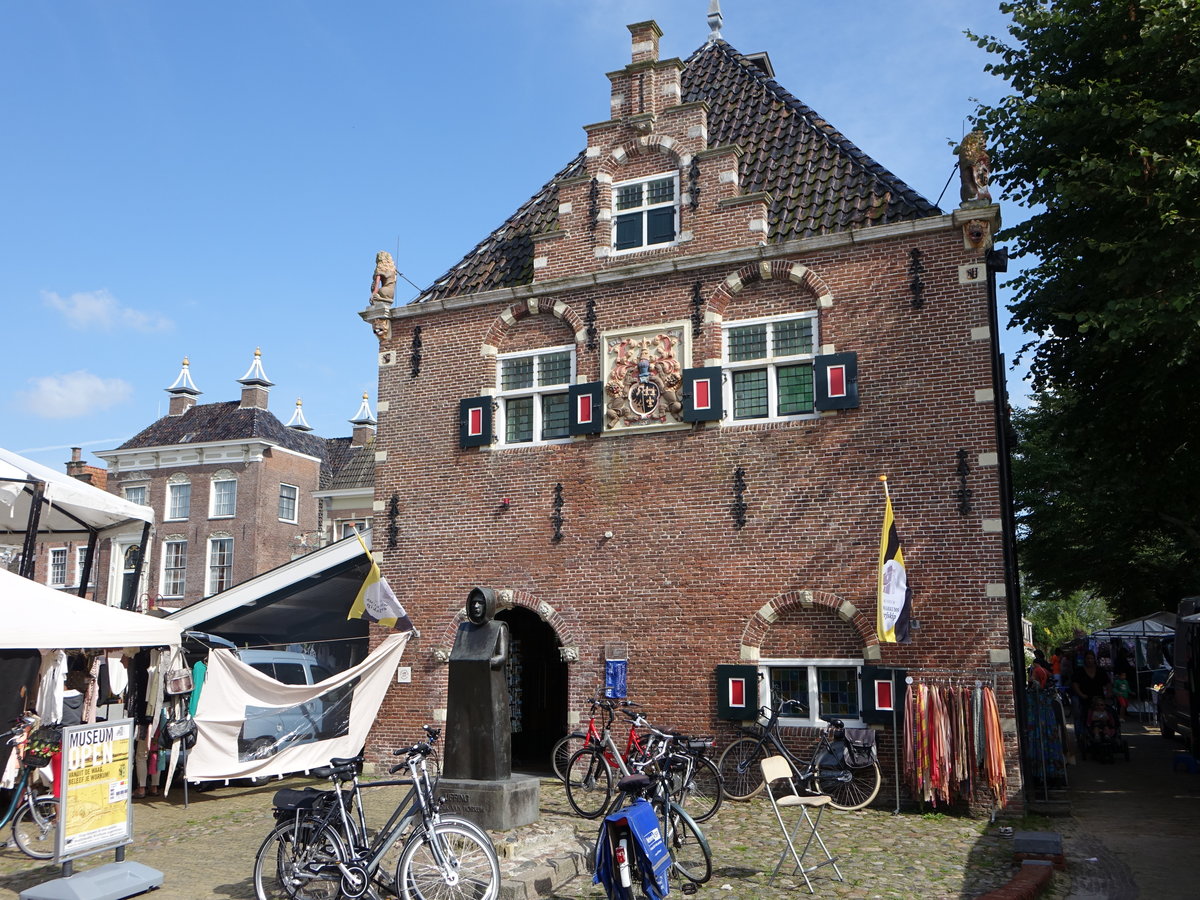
point(225, 422)
point(349, 466)
point(818, 180)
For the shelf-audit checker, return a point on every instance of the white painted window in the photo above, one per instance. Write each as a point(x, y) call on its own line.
point(58, 567)
point(223, 504)
point(137, 494)
point(220, 564)
point(348, 527)
point(645, 213)
point(80, 561)
point(289, 494)
point(179, 500)
point(824, 687)
point(532, 402)
point(174, 577)
point(769, 367)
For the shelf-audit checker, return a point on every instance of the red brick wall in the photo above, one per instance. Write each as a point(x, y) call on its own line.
point(678, 582)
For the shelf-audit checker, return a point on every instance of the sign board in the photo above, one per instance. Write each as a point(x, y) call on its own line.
point(615, 679)
point(97, 762)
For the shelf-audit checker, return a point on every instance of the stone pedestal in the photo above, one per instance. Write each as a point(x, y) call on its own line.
point(495, 805)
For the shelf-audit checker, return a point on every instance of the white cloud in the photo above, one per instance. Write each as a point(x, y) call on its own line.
point(100, 310)
point(73, 394)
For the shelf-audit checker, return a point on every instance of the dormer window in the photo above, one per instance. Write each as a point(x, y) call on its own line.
point(645, 212)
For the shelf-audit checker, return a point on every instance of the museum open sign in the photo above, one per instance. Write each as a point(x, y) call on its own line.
point(95, 797)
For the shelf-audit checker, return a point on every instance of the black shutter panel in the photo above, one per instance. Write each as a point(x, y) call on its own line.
point(883, 695)
point(836, 377)
point(475, 422)
point(660, 225)
point(586, 408)
point(629, 231)
point(737, 693)
point(702, 396)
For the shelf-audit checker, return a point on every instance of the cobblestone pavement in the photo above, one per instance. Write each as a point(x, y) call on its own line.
point(208, 848)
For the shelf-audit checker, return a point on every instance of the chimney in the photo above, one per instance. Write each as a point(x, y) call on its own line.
point(183, 392)
point(81, 471)
point(256, 387)
point(75, 467)
point(645, 41)
point(364, 424)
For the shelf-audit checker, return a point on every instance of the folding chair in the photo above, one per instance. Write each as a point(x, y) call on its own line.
point(776, 768)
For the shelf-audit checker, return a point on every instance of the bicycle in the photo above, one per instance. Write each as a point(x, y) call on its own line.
point(589, 775)
point(686, 844)
point(322, 850)
point(34, 817)
point(570, 744)
point(695, 780)
point(827, 771)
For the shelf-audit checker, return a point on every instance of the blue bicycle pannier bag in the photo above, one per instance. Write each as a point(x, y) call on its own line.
point(648, 845)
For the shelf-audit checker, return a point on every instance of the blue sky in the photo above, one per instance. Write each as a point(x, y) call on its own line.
point(200, 179)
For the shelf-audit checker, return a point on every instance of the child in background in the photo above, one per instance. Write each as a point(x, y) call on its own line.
point(1100, 721)
point(1121, 690)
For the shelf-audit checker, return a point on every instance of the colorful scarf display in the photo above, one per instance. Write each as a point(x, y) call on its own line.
point(953, 744)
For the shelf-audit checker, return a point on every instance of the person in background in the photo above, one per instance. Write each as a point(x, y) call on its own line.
point(1089, 682)
point(1121, 689)
point(1039, 672)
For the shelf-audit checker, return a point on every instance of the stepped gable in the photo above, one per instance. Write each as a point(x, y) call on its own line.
point(819, 181)
point(225, 421)
point(350, 466)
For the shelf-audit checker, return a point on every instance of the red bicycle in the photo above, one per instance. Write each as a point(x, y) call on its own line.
point(588, 773)
point(568, 745)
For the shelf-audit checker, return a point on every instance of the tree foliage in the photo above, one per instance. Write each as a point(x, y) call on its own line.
point(1101, 138)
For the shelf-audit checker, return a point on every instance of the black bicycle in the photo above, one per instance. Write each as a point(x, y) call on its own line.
point(848, 773)
point(322, 850)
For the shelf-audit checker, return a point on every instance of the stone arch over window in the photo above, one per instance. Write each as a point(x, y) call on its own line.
point(181, 478)
point(504, 323)
point(509, 599)
point(760, 623)
point(643, 146)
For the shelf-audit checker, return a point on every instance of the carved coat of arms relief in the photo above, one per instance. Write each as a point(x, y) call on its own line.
point(644, 378)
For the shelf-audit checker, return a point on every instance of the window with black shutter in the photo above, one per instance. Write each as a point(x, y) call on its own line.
point(646, 212)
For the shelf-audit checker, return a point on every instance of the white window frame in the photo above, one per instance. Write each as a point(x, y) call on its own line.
point(349, 527)
point(52, 577)
point(536, 391)
point(210, 582)
point(295, 503)
point(169, 514)
point(80, 559)
point(643, 209)
point(812, 702)
point(143, 488)
point(212, 499)
point(771, 363)
point(164, 579)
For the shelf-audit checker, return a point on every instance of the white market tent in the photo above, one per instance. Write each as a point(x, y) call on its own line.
point(1159, 624)
point(38, 503)
point(37, 617)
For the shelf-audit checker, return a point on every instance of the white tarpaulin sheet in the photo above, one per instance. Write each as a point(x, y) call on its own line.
point(249, 724)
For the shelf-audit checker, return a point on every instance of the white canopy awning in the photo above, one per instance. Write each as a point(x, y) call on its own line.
point(39, 618)
point(69, 505)
point(1159, 624)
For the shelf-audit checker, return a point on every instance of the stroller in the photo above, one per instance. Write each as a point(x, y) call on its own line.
point(1100, 732)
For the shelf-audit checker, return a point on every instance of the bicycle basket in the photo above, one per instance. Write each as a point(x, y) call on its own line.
point(36, 760)
point(42, 745)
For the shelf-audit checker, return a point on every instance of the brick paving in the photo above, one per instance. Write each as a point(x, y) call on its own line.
point(208, 848)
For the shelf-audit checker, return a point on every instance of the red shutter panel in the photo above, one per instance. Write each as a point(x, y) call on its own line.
point(702, 394)
point(836, 381)
point(586, 408)
point(475, 422)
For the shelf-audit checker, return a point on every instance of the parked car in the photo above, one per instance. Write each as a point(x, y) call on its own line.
point(1178, 704)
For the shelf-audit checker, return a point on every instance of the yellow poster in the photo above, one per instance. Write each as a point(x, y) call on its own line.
point(96, 767)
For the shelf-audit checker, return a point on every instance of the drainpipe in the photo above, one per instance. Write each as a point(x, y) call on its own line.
point(997, 261)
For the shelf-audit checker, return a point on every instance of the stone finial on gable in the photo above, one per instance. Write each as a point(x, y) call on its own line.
point(715, 20)
point(645, 41)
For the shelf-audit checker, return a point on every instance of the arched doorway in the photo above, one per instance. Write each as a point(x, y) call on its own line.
point(538, 688)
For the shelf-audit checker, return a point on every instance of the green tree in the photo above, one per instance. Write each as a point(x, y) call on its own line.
point(1101, 138)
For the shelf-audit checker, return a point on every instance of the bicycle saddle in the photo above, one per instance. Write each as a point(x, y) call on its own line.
point(632, 784)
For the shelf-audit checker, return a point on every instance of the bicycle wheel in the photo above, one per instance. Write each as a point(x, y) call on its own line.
point(701, 795)
point(690, 854)
point(741, 776)
point(299, 863)
point(448, 861)
point(35, 827)
point(566, 747)
point(589, 782)
point(850, 788)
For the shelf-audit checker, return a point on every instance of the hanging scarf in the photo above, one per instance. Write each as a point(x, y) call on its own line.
point(996, 774)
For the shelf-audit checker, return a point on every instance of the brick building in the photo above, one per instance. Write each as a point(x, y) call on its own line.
point(235, 492)
point(652, 409)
